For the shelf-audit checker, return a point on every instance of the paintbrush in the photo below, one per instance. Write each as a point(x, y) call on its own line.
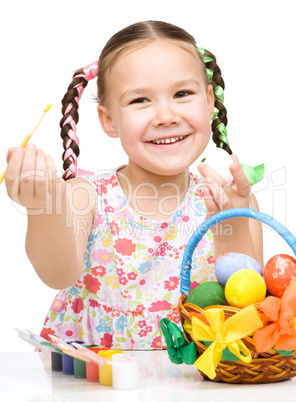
point(28, 137)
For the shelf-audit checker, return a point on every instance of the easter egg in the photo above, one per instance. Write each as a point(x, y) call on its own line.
point(207, 294)
point(244, 288)
point(230, 263)
point(278, 272)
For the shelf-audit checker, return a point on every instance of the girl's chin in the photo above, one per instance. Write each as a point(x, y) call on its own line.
point(169, 171)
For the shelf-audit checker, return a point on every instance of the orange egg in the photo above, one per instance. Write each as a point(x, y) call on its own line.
point(278, 272)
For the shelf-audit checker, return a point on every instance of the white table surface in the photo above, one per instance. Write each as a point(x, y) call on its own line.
point(28, 377)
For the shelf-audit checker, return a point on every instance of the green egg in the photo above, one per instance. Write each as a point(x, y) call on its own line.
point(207, 294)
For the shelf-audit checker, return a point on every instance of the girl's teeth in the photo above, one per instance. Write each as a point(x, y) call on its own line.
point(168, 141)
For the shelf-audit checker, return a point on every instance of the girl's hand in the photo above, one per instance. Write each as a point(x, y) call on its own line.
point(30, 177)
point(220, 195)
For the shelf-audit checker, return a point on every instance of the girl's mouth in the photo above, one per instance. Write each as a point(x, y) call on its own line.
point(167, 141)
point(170, 144)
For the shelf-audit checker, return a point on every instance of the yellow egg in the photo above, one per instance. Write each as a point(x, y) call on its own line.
point(245, 287)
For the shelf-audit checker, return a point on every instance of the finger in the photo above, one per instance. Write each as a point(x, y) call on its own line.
point(235, 158)
point(219, 194)
point(242, 183)
point(51, 174)
point(9, 153)
point(12, 177)
point(206, 171)
point(211, 205)
point(27, 179)
point(40, 175)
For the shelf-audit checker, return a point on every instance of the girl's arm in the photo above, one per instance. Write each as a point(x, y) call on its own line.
point(248, 239)
point(59, 216)
point(241, 235)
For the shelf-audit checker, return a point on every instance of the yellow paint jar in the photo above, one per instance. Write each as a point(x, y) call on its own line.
point(105, 372)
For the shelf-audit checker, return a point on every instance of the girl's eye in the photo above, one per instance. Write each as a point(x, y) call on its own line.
point(139, 100)
point(181, 94)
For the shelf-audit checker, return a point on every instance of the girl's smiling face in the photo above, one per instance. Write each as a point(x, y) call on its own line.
point(158, 92)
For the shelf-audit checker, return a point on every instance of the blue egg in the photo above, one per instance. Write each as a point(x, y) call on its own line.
point(230, 263)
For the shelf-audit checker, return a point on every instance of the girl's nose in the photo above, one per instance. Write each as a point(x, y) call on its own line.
point(165, 115)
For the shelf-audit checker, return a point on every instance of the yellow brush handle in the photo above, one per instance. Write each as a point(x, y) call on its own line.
point(25, 142)
point(27, 139)
point(3, 176)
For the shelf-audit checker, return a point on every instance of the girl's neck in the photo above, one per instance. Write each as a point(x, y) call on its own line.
point(152, 195)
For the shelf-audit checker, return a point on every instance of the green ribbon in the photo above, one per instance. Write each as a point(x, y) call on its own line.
point(226, 354)
point(179, 350)
point(254, 174)
point(284, 352)
point(223, 132)
point(219, 92)
point(210, 74)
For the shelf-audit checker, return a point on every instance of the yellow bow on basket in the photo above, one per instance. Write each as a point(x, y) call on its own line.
point(223, 333)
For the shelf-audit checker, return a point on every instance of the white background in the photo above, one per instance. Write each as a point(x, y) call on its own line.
point(43, 42)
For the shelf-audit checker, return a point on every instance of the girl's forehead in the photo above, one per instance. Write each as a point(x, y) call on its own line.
point(158, 55)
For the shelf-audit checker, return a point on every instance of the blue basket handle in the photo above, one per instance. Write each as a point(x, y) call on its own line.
point(220, 217)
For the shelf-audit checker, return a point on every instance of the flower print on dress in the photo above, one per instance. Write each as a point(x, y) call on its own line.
point(145, 284)
point(70, 331)
point(112, 281)
point(142, 333)
point(124, 246)
point(91, 283)
point(77, 305)
point(73, 289)
point(160, 305)
point(132, 276)
point(113, 181)
point(99, 270)
point(172, 283)
point(122, 280)
point(114, 228)
point(145, 267)
point(101, 326)
point(156, 343)
point(121, 323)
point(102, 256)
point(107, 341)
point(57, 305)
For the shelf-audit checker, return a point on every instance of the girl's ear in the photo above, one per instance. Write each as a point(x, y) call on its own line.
point(107, 122)
point(211, 101)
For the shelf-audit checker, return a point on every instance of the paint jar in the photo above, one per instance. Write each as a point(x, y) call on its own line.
point(105, 372)
point(68, 364)
point(92, 369)
point(125, 371)
point(79, 365)
point(79, 368)
point(56, 361)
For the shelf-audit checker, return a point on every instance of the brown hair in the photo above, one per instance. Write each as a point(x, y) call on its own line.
point(137, 34)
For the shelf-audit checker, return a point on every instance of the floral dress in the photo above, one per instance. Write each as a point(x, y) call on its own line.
point(131, 271)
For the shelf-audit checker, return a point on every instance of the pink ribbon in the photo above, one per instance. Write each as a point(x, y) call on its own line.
point(89, 72)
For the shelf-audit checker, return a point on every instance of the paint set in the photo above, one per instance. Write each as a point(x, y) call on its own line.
point(98, 365)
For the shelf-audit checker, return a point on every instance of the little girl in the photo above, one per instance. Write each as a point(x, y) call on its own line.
point(114, 242)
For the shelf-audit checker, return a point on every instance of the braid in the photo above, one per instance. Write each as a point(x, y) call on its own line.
point(70, 118)
point(220, 113)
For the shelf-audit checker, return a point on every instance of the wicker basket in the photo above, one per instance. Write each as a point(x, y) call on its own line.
point(267, 367)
